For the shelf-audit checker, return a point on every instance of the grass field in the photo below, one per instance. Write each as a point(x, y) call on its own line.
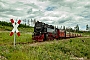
point(69, 49)
point(6, 39)
point(75, 48)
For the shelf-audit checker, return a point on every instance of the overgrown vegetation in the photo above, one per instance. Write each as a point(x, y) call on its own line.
point(66, 49)
point(5, 39)
point(57, 50)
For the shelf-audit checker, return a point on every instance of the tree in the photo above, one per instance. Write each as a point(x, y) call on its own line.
point(34, 21)
point(63, 27)
point(28, 22)
point(77, 28)
point(87, 27)
point(25, 22)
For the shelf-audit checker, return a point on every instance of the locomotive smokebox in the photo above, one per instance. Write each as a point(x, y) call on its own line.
point(38, 27)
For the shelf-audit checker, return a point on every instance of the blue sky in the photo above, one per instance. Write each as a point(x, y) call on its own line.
point(67, 13)
point(50, 8)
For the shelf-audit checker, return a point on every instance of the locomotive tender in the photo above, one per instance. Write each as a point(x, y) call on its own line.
point(44, 32)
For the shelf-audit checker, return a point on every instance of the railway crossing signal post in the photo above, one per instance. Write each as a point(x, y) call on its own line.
point(15, 30)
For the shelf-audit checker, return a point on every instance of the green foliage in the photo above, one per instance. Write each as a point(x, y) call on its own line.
point(6, 39)
point(85, 33)
point(87, 27)
point(70, 30)
point(5, 28)
point(57, 50)
point(77, 28)
point(21, 29)
point(9, 24)
point(3, 23)
point(51, 50)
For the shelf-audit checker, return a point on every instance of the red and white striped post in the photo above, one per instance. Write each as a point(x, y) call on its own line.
point(15, 30)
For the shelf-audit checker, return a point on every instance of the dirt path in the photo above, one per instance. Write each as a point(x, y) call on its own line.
point(50, 42)
point(5, 31)
point(85, 37)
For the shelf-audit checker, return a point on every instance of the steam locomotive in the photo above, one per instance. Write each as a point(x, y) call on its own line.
point(44, 32)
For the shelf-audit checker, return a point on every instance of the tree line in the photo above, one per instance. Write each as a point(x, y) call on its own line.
point(3, 23)
point(26, 24)
point(76, 28)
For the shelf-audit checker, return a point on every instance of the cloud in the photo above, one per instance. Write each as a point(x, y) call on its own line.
point(56, 12)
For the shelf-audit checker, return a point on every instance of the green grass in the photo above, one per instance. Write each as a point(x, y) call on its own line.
point(5, 28)
point(86, 33)
point(6, 39)
point(51, 50)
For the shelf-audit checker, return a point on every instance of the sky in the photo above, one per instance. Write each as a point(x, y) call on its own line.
point(59, 13)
